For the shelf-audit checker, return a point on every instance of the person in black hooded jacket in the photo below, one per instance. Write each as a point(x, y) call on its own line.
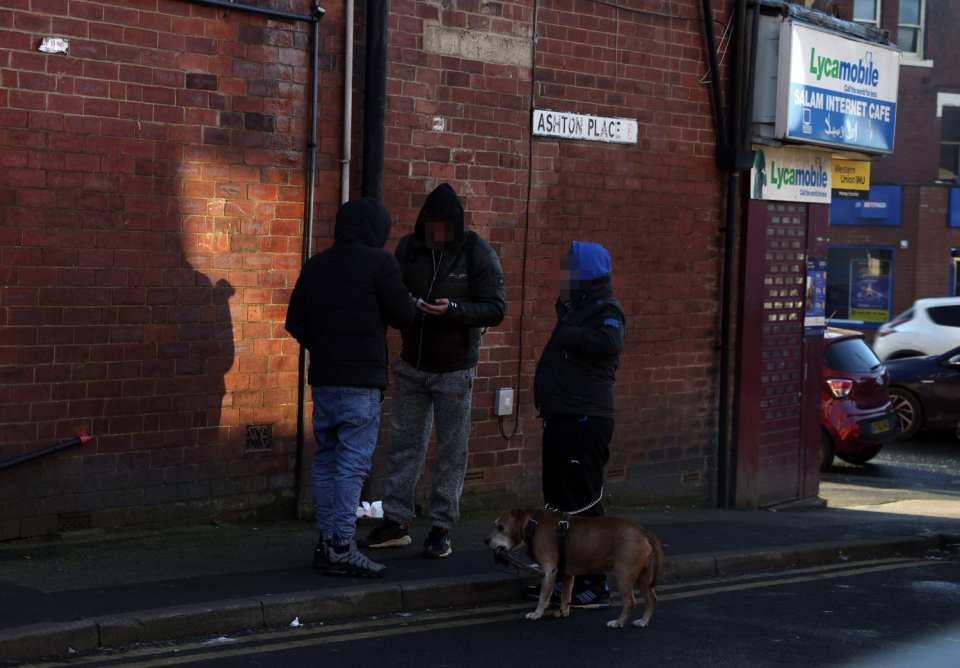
point(457, 280)
point(339, 310)
point(574, 394)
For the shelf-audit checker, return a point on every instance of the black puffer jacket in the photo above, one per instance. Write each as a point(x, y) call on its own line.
point(467, 271)
point(577, 370)
point(345, 298)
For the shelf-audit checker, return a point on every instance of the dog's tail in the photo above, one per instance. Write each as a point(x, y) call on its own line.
point(658, 555)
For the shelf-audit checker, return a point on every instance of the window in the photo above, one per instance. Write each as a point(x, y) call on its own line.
point(950, 144)
point(910, 27)
point(859, 285)
point(850, 355)
point(945, 316)
point(867, 12)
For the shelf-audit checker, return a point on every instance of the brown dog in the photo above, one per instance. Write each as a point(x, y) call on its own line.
point(594, 545)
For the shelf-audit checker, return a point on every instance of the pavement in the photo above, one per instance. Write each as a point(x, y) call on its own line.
point(104, 590)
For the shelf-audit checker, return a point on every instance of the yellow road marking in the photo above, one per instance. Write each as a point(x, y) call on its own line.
point(795, 580)
point(419, 623)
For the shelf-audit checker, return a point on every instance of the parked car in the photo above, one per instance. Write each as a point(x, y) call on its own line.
point(856, 416)
point(929, 327)
point(926, 391)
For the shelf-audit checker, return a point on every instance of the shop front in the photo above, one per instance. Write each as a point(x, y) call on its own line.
point(826, 97)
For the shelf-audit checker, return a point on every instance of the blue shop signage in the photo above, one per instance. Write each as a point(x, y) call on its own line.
point(881, 207)
point(836, 91)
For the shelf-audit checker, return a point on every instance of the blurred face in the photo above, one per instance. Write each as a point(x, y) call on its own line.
point(438, 233)
point(568, 282)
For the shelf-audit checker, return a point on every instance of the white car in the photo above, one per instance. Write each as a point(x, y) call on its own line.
point(929, 327)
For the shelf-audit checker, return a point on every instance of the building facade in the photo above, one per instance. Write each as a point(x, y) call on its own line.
point(908, 230)
point(151, 226)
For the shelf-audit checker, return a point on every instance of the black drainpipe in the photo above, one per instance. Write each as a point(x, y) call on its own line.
point(313, 18)
point(734, 154)
point(374, 98)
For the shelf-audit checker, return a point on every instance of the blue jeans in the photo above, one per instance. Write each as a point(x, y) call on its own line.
point(346, 421)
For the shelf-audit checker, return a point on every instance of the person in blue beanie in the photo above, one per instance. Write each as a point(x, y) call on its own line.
point(573, 393)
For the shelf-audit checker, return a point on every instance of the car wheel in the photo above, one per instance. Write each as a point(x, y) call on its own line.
point(909, 412)
point(826, 452)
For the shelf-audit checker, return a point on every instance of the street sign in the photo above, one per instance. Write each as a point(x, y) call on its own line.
point(567, 125)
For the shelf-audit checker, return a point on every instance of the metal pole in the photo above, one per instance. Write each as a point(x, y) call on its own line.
point(347, 104)
point(83, 439)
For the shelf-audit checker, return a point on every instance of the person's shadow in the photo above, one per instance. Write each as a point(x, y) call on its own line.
point(192, 327)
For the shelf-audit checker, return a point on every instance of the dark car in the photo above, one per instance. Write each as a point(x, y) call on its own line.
point(926, 391)
point(857, 416)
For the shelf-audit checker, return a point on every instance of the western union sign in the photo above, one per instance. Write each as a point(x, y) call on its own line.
point(851, 179)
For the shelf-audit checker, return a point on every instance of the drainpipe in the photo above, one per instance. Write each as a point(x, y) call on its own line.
point(375, 98)
point(82, 439)
point(347, 103)
point(262, 11)
point(307, 248)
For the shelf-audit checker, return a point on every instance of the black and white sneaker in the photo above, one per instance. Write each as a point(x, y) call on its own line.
point(438, 545)
point(321, 560)
point(388, 533)
point(352, 561)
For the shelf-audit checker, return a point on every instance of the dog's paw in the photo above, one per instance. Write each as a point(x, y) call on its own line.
point(561, 614)
point(614, 624)
point(640, 623)
point(535, 615)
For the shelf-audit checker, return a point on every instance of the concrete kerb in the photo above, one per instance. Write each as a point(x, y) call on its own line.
point(274, 611)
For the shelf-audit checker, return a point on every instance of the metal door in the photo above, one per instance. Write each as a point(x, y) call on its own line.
point(770, 438)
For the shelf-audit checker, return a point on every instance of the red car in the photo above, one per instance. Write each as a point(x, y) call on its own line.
point(857, 416)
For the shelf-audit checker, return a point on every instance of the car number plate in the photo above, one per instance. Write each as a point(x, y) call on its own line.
point(881, 426)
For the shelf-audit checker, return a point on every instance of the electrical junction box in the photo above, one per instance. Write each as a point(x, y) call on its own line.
point(503, 404)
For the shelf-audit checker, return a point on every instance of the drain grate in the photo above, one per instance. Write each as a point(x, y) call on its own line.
point(259, 437)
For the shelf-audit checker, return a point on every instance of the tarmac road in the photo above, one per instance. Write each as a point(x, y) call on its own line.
point(894, 612)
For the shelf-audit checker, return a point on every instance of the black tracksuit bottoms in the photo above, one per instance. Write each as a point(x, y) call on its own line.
point(575, 453)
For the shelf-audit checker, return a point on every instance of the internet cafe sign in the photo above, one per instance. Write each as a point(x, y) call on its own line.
point(790, 175)
point(836, 91)
point(566, 125)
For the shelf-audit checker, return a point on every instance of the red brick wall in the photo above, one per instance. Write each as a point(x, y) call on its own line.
point(151, 198)
point(923, 269)
point(151, 205)
point(654, 205)
point(918, 128)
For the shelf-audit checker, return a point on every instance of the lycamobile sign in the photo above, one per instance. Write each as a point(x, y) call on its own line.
point(809, 177)
point(844, 70)
point(836, 91)
point(791, 175)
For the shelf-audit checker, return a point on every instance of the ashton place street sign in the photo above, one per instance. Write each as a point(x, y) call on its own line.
point(566, 125)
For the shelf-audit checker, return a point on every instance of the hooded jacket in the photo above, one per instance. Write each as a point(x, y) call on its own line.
point(346, 296)
point(466, 270)
point(577, 370)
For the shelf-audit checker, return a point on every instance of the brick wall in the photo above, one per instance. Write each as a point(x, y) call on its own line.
point(923, 269)
point(654, 205)
point(151, 205)
point(151, 199)
point(918, 128)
